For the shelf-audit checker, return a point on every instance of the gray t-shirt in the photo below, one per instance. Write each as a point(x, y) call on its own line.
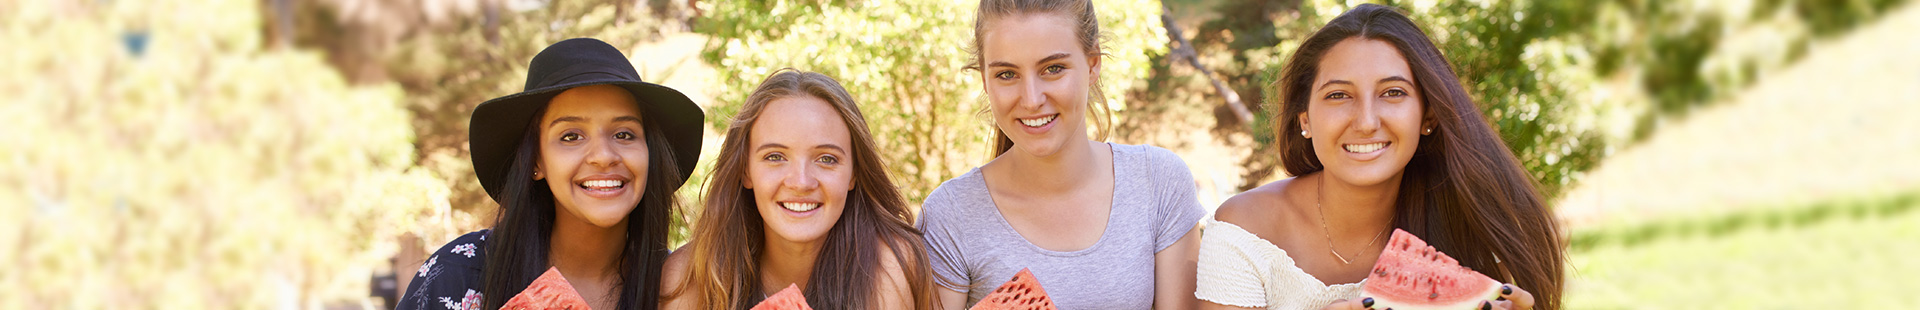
point(970, 243)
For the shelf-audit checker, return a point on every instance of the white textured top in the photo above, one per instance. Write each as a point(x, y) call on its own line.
point(1239, 269)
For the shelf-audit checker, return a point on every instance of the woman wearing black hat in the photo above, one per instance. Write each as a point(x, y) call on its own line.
point(584, 163)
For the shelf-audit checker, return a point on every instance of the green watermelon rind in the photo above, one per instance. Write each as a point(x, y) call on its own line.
point(1406, 251)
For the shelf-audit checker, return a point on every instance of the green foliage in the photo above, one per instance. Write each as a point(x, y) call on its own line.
point(203, 173)
point(903, 62)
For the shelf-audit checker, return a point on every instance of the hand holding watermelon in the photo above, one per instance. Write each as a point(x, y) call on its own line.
point(1411, 275)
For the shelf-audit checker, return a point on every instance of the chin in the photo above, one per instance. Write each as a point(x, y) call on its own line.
point(608, 214)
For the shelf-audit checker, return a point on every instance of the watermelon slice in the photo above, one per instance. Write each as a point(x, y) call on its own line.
point(786, 299)
point(550, 291)
point(1023, 292)
point(1411, 275)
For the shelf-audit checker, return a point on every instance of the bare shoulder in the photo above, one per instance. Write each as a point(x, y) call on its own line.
point(893, 289)
point(1254, 207)
point(673, 274)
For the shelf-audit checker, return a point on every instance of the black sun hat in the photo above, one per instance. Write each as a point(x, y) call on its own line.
point(499, 124)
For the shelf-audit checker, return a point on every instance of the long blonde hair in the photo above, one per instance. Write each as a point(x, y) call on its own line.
point(728, 238)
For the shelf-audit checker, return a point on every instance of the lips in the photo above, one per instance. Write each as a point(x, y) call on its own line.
point(800, 206)
point(1038, 122)
point(603, 186)
point(1364, 148)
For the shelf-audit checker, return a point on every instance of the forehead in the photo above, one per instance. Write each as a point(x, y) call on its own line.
point(1024, 38)
point(1361, 61)
point(594, 102)
point(799, 121)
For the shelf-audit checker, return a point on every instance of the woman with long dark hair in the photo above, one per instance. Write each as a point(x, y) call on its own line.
point(1100, 225)
point(800, 196)
point(584, 163)
point(1379, 134)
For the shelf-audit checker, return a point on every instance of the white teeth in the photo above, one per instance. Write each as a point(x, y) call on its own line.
point(799, 207)
point(602, 183)
point(1365, 148)
point(1037, 122)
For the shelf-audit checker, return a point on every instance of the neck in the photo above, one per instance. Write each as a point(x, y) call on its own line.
point(1357, 210)
point(786, 262)
point(1058, 173)
point(584, 251)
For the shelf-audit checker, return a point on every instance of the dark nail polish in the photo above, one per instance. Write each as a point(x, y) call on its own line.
point(1506, 289)
point(1501, 298)
point(1486, 305)
point(1368, 302)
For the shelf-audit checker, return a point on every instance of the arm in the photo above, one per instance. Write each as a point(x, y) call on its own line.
point(1173, 272)
point(893, 290)
point(949, 299)
point(672, 277)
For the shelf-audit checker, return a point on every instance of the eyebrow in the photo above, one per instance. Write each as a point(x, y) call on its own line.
point(769, 146)
point(1382, 80)
point(822, 146)
point(577, 119)
point(566, 119)
point(1055, 56)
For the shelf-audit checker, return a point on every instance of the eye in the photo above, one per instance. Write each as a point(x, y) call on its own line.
point(1395, 93)
point(774, 157)
point(624, 135)
point(1055, 69)
point(1004, 75)
point(1337, 95)
point(570, 137)
point(828, 159)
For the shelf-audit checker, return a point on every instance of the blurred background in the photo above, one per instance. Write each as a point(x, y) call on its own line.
point(305, 154)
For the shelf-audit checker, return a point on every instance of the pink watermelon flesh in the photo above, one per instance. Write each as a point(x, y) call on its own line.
point(1411, 275)
point(549, 292)
point(787, 299)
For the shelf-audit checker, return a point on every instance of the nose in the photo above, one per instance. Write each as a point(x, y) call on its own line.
point(1369, 116)
point(801, 178)
point(601, 154)
point(1031, 96)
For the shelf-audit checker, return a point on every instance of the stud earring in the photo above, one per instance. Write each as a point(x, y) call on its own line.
point(1427, 131)
point(1303, 133)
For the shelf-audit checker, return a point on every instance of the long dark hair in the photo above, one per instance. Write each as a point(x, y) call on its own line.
point(729, 236)
point(516, 248)
point(1086, 30)
point(1463, 191)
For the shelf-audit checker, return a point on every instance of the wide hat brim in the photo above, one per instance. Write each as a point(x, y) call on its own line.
point(499, 125)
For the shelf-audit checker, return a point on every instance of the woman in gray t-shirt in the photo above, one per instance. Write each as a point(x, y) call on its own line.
point(1101, 226)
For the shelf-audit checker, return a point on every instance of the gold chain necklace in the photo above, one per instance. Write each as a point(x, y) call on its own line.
point(1317, 201)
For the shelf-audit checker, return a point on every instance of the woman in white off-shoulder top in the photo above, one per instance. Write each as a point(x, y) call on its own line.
point(1387, 138)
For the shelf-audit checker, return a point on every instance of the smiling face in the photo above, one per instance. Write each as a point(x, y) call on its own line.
point(1364, 116)
point(593, 153)
point(800, 170)
point(1037, 79)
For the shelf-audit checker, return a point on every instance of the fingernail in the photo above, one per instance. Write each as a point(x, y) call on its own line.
point(1501, 298)
point(1486, 305)
point(1506, 289)
point(1368, 302)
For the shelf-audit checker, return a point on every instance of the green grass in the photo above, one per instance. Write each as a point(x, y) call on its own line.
point(1852, 254)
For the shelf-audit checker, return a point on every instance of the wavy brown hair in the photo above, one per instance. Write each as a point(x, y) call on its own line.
point(1086, 30)
point(1463, 191)
point(728, 238)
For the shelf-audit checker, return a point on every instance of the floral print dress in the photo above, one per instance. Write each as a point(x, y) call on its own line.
point(450, 278)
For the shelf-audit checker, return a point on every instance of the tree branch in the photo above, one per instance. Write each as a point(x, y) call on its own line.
point(1182, 49)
